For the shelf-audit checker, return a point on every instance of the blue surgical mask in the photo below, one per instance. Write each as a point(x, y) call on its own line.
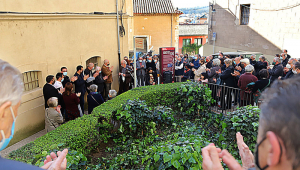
point(281, 58)
point(5, 141)
point(149, 61)
point(99, 71)
point(65, 73)
point(234, 62)
point(62, 80)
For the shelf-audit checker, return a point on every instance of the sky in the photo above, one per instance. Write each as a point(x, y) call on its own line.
point(189, 3)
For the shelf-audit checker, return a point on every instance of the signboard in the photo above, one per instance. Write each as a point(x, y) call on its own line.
point(139, 43)
point(167, 60)
point(214, 36)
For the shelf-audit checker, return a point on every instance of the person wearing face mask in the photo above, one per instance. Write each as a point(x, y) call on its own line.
point(53, 116)
point(296, 68)
point(179, 70)
point(99, 80)
point(11, 92)
point(278, 134)
point(151, 64)
point(80, 85)
point(141, 71)
point(91, 78)
point(276, 71)
point(50, 91)
point(107, 71)
point(64, 70)
point(124, 77)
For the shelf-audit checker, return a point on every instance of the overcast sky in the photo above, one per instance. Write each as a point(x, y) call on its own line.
point(189, 3)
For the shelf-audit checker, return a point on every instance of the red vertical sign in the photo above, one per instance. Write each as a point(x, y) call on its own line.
point(167, 60)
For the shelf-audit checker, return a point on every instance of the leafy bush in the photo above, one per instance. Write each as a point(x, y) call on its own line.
point(193, 98)
point(137, 118)
point(84, 133)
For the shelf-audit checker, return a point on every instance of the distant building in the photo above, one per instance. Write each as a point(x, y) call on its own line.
point(157, 20)
point(192, 33)
point(267, 26)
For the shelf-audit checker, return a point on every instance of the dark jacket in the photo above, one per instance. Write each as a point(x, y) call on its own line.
point(99, 81)
point(66, 80)
point(50, 91)
point(90, 73)
point(288, 75)
point(152, 65)
point(196, 64)
point(179, 72)
point(187, 74)
point(212, 74)
point(209, 64)
point(79, 84)
point(259, 66)
point(285, 61)
point(7, 164)
point(227, 78)
point(276, 72)
point(94, 100)
point(260, 85)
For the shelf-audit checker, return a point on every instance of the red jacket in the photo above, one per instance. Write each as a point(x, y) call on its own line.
point(244, 80)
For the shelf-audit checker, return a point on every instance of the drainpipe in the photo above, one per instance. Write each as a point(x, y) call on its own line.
point(172, 30)
point(119, 51)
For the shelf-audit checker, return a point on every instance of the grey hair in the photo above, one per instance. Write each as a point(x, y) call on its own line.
point(91, 64)
point(228, 61)
point(98, 68)
point(262, 57)
point(52, 102)
point(249, 68)
point(11, 83)
point(216, 62)
point(113, 93)
point(277, 59)
point(93, 87)
point(253, 55)
point(294, 61)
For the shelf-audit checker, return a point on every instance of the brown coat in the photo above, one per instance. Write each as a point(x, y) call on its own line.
point(106, 72)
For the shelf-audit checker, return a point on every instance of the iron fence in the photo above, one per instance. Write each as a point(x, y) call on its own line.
point(229, 98)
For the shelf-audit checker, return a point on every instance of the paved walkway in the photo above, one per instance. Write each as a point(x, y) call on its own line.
point(4, 153)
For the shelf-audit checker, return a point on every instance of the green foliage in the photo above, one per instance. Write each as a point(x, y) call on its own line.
point(191, 48)
point(193, 98)
point(137, 118)
point(84, 133)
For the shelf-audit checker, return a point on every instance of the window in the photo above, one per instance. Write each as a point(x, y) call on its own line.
point(96, 60)
point(245, 14)
point(31, 80)
point(198, 41)
point(186, 42)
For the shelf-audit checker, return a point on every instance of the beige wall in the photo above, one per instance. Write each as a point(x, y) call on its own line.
point(45, 43)
point(158, 27)
point(268, 31)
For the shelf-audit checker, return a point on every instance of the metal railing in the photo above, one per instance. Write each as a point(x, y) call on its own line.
point(229, 98)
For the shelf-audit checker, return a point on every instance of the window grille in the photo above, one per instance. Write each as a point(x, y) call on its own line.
point(245, 14)
point(30, 80)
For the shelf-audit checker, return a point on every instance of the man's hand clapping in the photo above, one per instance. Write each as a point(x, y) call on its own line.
point(86, 77)
point(56, 162)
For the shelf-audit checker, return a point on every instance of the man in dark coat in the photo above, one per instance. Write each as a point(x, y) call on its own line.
point(50, 91)
point(276, 71)
point(230, 81)
point(179, 70)
point(90, 80)
point(151, 64)
point(99, 80)
point(124, 77)
point(80, 85)
point(187, 73)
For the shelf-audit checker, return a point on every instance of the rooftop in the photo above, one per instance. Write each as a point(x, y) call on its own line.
point(193, 29)
point(154, 7)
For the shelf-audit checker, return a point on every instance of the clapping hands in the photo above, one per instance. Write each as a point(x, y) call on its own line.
point(56, 162)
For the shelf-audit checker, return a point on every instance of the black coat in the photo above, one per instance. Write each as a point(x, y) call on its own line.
point(285, 62)
point(66, 80)
point(227, 78)
point(99, 81)
point(50, 91)
point(209, 64)
point(152, 65)
point(288, 75)
point(79, 84)
point(276, 72)
point(94, 100)
point(186, 75)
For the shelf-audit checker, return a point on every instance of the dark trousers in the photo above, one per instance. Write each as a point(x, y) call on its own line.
point(141, 80)
point(82, 102)
point(107, 88)
point(226, 103)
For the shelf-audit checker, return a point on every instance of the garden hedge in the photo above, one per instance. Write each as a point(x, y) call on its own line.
point(82, 134)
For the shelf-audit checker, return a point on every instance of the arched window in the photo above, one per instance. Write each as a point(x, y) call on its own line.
point(96, 60)
point(31, 80)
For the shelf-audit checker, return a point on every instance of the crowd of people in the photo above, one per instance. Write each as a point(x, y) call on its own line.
point(65, 97)
point(250, 76)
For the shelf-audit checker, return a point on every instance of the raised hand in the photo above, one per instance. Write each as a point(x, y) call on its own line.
point(211, 159)
point(54, 162)
point(246, 155)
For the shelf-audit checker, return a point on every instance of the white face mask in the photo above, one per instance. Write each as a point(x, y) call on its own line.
point(295, 72)
point(140, 61)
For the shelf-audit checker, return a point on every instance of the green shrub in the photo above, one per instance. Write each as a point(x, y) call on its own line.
point(84, 133)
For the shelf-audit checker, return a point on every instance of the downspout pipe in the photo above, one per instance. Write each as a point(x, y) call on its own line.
point(172, 30)
point(119, 51)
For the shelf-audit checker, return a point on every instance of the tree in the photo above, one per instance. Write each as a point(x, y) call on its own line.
point(191, 48)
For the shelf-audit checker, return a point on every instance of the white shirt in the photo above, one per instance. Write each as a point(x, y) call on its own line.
point(58, 85)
